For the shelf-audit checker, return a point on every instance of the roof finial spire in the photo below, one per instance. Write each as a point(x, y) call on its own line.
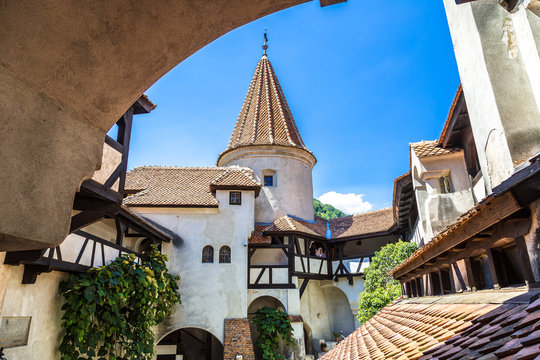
point(265, 46)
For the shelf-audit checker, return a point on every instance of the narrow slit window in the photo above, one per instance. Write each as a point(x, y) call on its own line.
point(225, 255)
point(208, 254)
point(445, 185)
point(235, 198)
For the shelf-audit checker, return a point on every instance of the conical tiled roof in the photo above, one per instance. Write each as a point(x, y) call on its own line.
point(265, 118)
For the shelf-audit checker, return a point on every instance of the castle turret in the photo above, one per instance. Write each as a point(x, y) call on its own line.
point(266, 139)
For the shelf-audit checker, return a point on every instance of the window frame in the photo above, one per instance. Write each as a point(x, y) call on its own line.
point(235, 198)
point(204, 255)
point(222, 255)
point(271, 177)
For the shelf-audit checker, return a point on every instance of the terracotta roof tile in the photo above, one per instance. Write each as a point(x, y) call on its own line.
point(265, 117)
point(289, 223)
point(430, 330)
point(362, 224)
point(431, 148)
point(257, 236)
point(183, 186)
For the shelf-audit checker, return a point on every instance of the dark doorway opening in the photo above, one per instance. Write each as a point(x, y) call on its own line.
point(191, 344)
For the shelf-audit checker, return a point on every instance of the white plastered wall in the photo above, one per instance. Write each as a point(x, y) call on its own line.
point(211, 292)
point(426, 172)
point(292, 192)
point(42, 302)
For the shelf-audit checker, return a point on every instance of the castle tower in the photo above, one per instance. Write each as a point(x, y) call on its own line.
point(266, 139)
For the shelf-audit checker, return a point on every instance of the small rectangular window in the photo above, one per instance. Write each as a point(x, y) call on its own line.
point(268, 180)
point(235, 198)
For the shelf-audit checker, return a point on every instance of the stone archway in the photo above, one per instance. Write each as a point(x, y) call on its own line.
point(69, 74)
point(256, 304)
point(189, 344)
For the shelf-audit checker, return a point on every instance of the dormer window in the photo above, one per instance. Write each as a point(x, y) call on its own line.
point(235, 198)
point(268, 180)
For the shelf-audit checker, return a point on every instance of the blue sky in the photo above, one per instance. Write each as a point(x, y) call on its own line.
point(362, 83)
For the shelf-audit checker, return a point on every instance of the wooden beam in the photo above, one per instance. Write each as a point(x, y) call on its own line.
point(303, 287)
point(84, 219)
point(498, 209)
point(20, 257)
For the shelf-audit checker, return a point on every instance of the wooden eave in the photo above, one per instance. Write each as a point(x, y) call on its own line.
point(143, 105)
point(388, 232)
point(142, 226)
point(173, 206)
point(255, 188)
point(294, 233)
point(502, 203)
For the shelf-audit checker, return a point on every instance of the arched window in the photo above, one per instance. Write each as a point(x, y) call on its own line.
point(208, 254)
point(225, 254)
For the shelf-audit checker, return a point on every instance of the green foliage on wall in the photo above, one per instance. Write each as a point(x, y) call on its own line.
point(110, 311)
point(326, 211)
point(380, 288)
point(273, 325)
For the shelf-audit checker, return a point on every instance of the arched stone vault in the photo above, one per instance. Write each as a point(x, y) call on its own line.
point(68, 71)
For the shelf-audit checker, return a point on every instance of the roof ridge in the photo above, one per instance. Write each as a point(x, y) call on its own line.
point(289, 221)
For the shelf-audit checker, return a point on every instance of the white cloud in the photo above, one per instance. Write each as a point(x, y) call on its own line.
point(348, 203)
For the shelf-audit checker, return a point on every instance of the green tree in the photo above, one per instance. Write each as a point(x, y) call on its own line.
point(110, 312)
point(326, 211)
point(380, 288)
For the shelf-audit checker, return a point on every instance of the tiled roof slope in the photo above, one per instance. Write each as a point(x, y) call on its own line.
point(349, 226)
point(183, 186)
point(446, 331)
point(362, 224)
point(265, 117)
point(288, 223)
point(431, 148)
point(257, 236)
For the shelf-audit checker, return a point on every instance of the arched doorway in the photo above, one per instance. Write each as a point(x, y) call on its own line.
point(340, 314)
point(308, 339)
point(189, 344)
point(255, 305)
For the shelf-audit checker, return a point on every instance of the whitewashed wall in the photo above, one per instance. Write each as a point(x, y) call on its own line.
point(211, 292)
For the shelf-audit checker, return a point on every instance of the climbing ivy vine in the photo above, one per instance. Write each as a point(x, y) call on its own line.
point(273, 325)
point(110, 311)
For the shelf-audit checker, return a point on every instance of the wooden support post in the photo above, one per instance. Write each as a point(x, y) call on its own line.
point(452, 283)
point(525, 260)
point(470, 275)
point(459, 276)
point(492, 270)
point(441, 282)
point(292, 240)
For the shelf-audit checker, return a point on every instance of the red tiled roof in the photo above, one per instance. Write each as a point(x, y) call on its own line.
point(371, 222)
point(265, 117)
point(290, 224)
point(257, 236)
point(431, 148)
point(362, 224)
point(183, 186)
point(445, 331)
